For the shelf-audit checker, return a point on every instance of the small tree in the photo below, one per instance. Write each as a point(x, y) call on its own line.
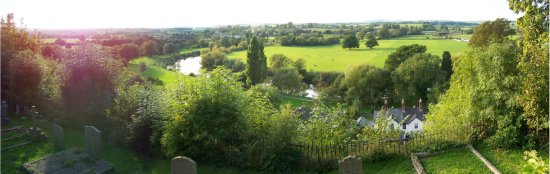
point(350, 41)
point(371, 42)
point(169, 48)
point(256, 67)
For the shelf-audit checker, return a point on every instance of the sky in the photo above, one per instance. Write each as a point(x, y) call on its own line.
point(79, 14)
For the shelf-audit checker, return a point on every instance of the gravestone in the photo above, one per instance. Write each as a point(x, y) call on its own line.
point(351, 165)
point(26, 110)
point(4, 108)
point(58, 137)
point(183, 165)
point(17, 109)
point(92, 142)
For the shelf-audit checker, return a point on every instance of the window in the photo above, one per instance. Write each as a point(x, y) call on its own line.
point(415, 125)
point(404, 126)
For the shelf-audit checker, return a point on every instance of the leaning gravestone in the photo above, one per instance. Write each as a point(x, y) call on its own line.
point(92, 142)
point(58, 137)
point(351, 165)
point(183, 165)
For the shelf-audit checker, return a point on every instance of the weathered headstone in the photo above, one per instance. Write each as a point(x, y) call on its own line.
point(92, 142)
point(4, 108)
point(183, 165)
point(17, 109)
point(351, 165)
point(26, 110)
point(58, 137)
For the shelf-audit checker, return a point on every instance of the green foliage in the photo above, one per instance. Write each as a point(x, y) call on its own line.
point(491, 32)
point(278, 61)
point(14, 39)
point(212, 59)
point(350, 41)
point(149, 48)
point(327, 125)
point(169, 48)
point(447, 64)
point(25, 77)
point(365, 83)
point(533, 65)
point(415, 75)
point(209, 117)
point(371, 42)
point(128, 52)
point(288, 80)
point(534, 164)
point(90, 84)
point(482, 93)
point(256, 67)
point(265, 90)
point(401, 54)
point(140, 108)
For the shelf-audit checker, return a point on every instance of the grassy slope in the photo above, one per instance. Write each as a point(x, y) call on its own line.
point(389, 166)
point(153, 70)
point(334, 58)
point(296, 101)
point(507, 160)
point(456, 161)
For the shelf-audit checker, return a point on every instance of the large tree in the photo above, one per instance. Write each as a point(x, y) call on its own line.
point(447, 64)
point(371, 42)
point(128, 52)
point(414, 76)
point(401, 54)
point(491, 32)
point(256, 67)
point(149, 48)
point(288, 80)
point(533, 65)
point(14, 39)
point(278, 61)
point(350, 41)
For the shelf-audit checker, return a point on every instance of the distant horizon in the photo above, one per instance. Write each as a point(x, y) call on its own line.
point(103, 14)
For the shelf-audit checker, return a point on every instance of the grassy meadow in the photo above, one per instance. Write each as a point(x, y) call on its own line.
point(334, 58)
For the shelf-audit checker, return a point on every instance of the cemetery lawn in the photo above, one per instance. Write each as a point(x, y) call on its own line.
point(334, 58)
point(122, 159)
point(507, 160)
point(387, 166)
point(455, 161)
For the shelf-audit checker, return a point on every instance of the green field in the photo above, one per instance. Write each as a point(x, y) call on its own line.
point(67, 40)
point(153, 70)
point(334, 58)
point(455, 161)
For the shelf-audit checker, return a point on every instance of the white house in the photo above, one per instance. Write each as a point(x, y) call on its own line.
point(412, 118)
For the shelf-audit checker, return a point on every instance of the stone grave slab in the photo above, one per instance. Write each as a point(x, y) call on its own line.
point(67, 162)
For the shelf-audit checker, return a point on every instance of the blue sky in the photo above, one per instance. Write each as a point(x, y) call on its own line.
point(59, 14)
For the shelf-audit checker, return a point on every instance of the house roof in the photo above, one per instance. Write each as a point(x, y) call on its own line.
point(362, 122)
point(398, 114)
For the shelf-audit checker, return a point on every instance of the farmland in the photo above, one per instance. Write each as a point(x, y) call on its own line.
point(334, 58)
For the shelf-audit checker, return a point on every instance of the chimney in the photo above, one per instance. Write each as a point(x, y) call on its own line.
point(402, 105)
point(420, 105)
point(385, 104)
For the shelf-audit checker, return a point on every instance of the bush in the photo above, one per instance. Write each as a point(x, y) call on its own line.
point(140, 107)
point(207, 118)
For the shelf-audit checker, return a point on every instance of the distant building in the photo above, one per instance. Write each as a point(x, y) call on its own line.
point(412, 118)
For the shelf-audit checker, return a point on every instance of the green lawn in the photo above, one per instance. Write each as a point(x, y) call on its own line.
point(122, 159)
point(296, 101)
point(507, 160)
point(334, 58)
point(457, 161)
point(388, 166)
point(153, 70)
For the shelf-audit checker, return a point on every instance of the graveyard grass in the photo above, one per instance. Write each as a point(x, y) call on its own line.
point(334, 58)
point(122, 159)
point(455, 161)
point(508, 160)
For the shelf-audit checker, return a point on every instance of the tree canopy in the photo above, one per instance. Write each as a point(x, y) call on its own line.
point(256, 67)
point(350, 41)
point(402, 54)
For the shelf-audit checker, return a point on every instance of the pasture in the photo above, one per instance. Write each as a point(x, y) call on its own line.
point(334, 58)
